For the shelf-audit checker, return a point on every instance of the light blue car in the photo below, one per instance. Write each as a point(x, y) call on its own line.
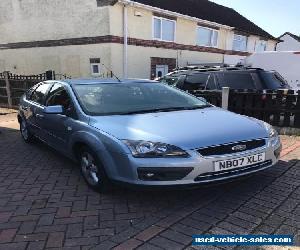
point(145, 133)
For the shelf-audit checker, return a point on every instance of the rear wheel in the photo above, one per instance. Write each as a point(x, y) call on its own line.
point(25, 133)
point(93, 172)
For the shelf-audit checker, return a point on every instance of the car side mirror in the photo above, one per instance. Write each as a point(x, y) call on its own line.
point(55, 110)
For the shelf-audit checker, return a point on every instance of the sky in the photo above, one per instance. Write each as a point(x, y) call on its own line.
point(274, 16)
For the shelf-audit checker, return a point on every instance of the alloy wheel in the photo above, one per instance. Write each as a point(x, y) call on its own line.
point(24, 130)
point(90, 169)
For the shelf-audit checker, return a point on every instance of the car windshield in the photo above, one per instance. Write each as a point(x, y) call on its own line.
point(273, 80)
point(133, 98)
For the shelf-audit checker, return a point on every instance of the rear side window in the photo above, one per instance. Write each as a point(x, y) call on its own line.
point(273, 80)
point(236, 80)
point(39, 94)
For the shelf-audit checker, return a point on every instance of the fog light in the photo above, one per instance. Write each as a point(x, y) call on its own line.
point(150, 175)
point(163, 174)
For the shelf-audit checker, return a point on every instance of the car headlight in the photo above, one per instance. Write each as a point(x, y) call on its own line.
point(272, 132)
point(147, 149)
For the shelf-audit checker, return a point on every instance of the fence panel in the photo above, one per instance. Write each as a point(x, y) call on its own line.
point(17, 85)
point(297, 107)
point(3, 95)
point(279, 108)
point(213, 97)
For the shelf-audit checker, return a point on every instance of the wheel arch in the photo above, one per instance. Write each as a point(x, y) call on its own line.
point(19, 117)
point(84, 139)
point(101, 145)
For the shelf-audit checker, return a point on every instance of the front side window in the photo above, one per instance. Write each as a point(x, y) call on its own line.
point(260, 46)
point(207, 37)
point(38, 96)
point(130, 98)
point(58, 95)
point(240, 43)
point(164, 29)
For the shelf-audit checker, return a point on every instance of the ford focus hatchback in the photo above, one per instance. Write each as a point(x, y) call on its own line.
point(146, 134)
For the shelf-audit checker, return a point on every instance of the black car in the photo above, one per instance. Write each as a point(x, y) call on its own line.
point(214, 78)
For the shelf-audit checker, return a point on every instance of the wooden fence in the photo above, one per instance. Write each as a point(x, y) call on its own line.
point(13, 86)
point(279, 108)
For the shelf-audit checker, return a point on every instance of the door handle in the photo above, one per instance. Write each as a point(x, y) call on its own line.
point(39, 116)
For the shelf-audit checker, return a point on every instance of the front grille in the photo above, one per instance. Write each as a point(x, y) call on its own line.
point(233, 172)
point(228, 148)
point(163, 174)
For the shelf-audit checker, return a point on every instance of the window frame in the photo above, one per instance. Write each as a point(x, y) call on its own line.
point(240, 35)
point(211, 39)
point(161, 29)
point(92, 64)
point(260, 41)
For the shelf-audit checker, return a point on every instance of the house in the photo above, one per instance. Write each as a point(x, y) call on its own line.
point(289, 42)
point(141, 38)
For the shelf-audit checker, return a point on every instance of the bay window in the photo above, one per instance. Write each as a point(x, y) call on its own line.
point(207, 37)
point(164, 29)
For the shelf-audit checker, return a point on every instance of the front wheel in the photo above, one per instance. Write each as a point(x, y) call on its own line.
point(93, 171)
point(25, 133)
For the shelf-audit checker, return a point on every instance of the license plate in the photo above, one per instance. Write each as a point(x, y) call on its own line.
point(239, 162)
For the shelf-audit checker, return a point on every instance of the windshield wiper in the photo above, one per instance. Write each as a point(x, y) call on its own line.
point(165, 110)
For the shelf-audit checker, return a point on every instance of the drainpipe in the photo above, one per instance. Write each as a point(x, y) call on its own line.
point(125, 49)
point(226, 37)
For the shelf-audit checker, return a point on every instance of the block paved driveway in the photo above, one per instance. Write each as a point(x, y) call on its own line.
point(44, 204)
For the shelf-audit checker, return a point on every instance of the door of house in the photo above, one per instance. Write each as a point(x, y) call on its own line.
point(162, 70)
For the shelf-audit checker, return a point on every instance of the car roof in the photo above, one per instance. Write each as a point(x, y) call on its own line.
point(89, 81)
point(195, 70)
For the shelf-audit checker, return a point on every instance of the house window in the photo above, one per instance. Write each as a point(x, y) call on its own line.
point(260, 46)
point(164, 29)
point(95, 66)
point(207, 37)
point(240, 42)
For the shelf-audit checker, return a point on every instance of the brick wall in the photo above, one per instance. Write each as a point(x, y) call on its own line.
point(171, 62)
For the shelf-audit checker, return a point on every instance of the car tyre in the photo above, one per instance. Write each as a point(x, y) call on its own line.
point(93, 171)
point(25, 132)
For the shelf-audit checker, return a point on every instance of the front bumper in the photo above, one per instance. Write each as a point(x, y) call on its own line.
point(193, 170)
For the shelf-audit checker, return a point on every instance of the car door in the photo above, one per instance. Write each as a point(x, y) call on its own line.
point(59, 126)
point(34, 108)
